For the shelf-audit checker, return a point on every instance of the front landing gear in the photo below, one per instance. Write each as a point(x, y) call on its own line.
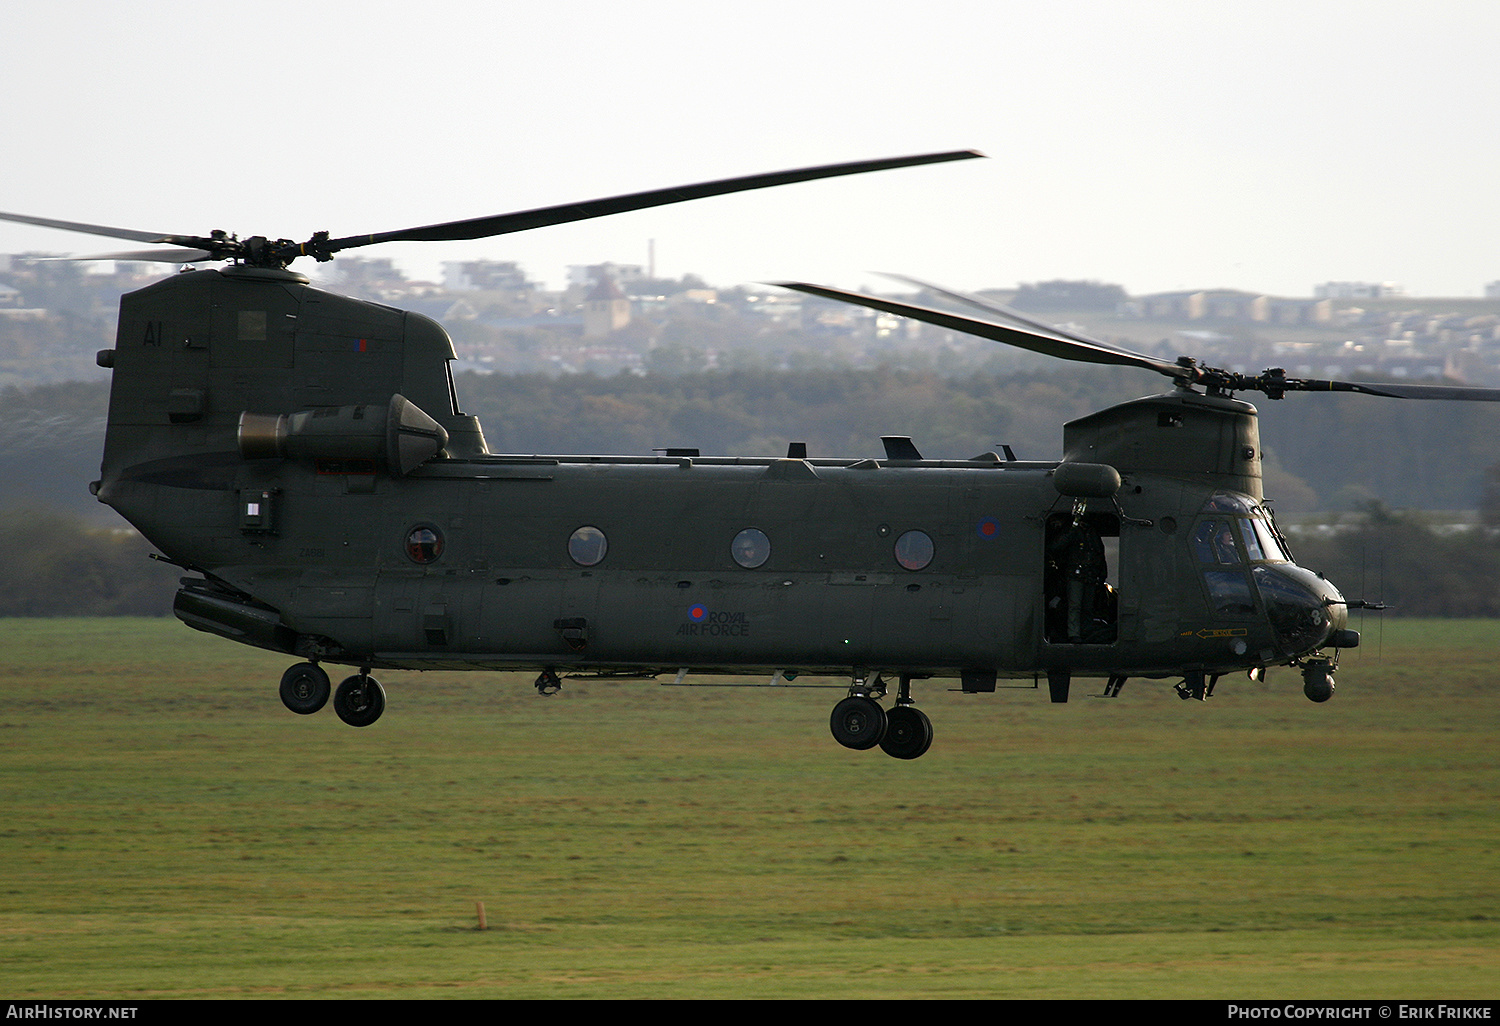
point(1317, 679)
point(858, 722)
point(359, 700)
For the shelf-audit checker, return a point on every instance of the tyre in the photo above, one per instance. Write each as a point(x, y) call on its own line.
point(359, 701)
point(857, 723)
point(908, 733)
point(304, 688)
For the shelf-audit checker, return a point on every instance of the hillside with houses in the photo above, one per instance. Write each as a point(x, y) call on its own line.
point(613, 318)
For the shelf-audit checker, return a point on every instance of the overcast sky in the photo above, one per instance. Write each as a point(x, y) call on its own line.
point(1266, 146)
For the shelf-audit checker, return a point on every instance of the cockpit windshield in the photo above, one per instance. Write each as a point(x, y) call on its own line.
point(1214, 543)
point(1265, 537)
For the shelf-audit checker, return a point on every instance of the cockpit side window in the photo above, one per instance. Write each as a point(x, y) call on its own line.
point(1213, 542)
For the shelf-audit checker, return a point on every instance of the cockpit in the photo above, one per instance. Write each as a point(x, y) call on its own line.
point(1247, 571)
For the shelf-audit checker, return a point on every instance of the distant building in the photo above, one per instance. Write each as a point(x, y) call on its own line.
point(484, 275)
point(1301, 311)
point(1180, 305)
point(1358, 290)
point(583, 275)
point(375, 278)
point(1492, 290)
point(606, 309)
point(780, 308)
point(1232, 305)
point(1220, 304)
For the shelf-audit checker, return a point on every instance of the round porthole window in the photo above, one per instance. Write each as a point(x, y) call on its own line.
point(750, 548)
point(424, 544)
point(914, 550)
point(587, 546)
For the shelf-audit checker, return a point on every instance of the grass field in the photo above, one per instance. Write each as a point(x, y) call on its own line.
point(169, 830)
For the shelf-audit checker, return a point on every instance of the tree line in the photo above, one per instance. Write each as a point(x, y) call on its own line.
point(57, 564)
point(1409, 562)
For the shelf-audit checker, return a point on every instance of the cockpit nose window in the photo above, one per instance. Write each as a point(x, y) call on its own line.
point(1300, 611)
point(1229, 593)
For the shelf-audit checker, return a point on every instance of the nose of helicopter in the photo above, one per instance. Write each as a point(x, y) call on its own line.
point(1306, 611)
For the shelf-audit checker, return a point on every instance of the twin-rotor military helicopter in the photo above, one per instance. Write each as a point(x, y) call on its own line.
point(304, 457)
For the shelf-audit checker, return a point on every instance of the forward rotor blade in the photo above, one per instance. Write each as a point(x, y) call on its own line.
point(1013, 314)
point(1047, 344)
point(88, 229)
point(1391, 390)
point(1049, 341)
point(504, 224)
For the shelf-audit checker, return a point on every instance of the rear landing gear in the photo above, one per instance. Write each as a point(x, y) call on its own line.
point(908, 733)
point(359, 700)
point(304, 688)
point(858, 722)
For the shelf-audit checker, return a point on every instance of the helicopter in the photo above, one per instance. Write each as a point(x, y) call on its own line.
point(304, 458)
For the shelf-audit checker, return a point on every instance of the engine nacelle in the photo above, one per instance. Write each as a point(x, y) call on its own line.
point(1086, 480)
point(401, 436)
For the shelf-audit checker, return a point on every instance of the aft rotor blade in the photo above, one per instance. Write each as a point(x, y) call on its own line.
point(504, 224)
point(1023, 338)
point(167, 256)
point(89, 229)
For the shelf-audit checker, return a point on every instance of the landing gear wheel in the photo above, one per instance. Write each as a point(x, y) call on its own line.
point(857, 723)
point(908, 733)
point(360, 700)
point(1317, 680)
point(304, 688)
point(1318, 688)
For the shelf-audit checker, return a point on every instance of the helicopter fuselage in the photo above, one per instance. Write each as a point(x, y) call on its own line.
point(306, 455)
